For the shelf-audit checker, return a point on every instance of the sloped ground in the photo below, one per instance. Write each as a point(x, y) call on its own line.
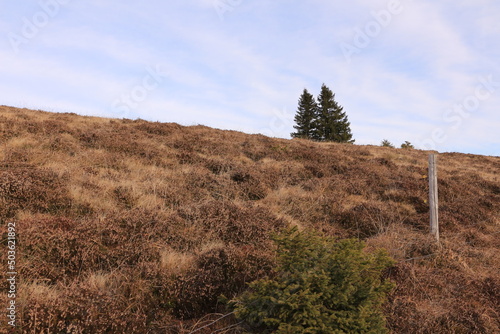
point(132, 226)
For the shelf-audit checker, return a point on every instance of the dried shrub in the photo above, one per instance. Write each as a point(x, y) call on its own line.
point(231, 223)
point(160, 129)
point(82, 310)
point(219, 166)
point(130, 198)
point(55, 248)
point(221, 271)
point(14, 156)
point(249, 185)
point(124, 197)
point(54, 126)
point(33, 189)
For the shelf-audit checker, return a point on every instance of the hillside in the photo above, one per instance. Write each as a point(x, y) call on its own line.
point(137, 227)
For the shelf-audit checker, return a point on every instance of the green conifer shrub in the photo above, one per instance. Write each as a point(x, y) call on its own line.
point(386, 143)
point(407, 145)
point(320, 286)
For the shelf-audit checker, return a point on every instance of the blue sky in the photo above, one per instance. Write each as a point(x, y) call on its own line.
point(423, 71)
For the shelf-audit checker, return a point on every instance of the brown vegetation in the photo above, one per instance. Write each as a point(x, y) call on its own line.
point(140, 227)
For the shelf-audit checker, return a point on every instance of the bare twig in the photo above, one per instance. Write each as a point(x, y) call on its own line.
point(228, 327)
point(420, 257)
point(213, 322)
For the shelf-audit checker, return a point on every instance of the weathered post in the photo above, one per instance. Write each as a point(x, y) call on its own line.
point(433, 196)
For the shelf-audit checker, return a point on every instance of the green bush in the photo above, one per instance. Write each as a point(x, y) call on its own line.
point(386, 143)
point(320, 286)
point(407, 145)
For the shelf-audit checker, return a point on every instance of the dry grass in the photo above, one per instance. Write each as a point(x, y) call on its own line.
point(176, 263)
point(132, 226)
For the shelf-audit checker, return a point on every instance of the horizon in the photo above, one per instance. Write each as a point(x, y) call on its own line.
point(422, 72)
point(215, 128)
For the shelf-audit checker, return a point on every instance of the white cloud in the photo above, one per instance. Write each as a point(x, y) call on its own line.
point(247, 71)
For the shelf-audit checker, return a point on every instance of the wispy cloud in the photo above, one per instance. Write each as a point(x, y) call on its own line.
point(247, 70)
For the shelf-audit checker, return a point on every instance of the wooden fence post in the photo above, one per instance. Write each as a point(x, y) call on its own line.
point(433, 196)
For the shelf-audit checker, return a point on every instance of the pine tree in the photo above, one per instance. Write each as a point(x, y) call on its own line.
point(407, 145)
point(331, 122)
point(304, 119)
point(386, 143)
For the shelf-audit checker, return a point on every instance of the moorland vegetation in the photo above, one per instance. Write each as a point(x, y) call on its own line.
point(129, 226)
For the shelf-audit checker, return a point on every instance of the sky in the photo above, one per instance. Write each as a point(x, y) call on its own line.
point(423, 71)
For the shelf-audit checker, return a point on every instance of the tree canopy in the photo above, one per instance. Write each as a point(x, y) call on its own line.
point(322, 119)
point(306, 113)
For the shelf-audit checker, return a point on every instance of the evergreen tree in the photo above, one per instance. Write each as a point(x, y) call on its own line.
point(407, 145)
point(304, 119)
point(321, 286)
point(386, 143)
point(331, 122)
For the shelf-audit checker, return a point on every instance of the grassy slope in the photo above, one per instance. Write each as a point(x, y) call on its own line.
point(130, 225)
